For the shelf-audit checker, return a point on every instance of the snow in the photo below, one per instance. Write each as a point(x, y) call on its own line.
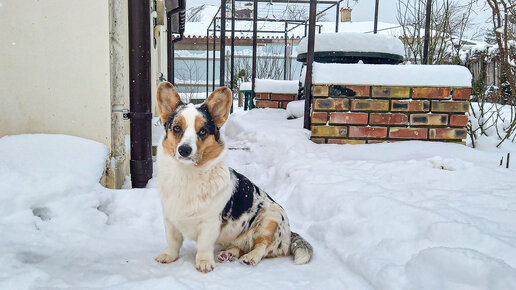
point(296, 109)
point(198, 29)
point(355, 42)
point(272, 86)
point(391, 75)
point(406, 215)
point(246, 86)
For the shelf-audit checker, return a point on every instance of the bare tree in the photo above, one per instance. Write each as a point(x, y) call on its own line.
point(503, 13)
point(189, 77)
point(194, 14)
point(300, 12)
point(269, 65)
point(297, 12)
point(449, 21)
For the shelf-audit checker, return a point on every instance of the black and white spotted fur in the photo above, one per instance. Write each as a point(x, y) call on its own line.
point(206, 201)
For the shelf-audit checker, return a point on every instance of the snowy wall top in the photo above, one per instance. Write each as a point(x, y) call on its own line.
point(272, 86)
point(356, 42)
point(391, 75)
point(247, 86)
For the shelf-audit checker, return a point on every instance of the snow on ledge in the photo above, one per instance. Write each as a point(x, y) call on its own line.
point(391, 75)
point(356, 42)
point(296, 109)
point(247, 86)
point(272, 86)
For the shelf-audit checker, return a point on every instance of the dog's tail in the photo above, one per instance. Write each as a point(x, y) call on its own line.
point(300, 249)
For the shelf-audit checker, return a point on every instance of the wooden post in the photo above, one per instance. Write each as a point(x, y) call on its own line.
point(427, 31)
point(255, 35)
point(309, 62)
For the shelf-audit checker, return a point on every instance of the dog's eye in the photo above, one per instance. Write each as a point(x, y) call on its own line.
point(202, 132)
point(176, 129)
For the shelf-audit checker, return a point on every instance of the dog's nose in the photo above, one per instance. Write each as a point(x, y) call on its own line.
point(184, 150)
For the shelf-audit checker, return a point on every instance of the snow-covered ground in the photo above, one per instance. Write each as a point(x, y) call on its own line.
point(408, 215)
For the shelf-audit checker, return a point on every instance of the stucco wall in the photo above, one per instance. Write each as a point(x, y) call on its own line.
point(55, 68)
point(64, 69)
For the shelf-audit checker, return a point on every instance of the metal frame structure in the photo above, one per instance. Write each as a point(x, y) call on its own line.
point(171, 10)
point(309, 25)
point(222, 41)
point(139, 64)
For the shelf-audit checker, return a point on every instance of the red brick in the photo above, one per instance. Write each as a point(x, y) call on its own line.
point(267, 104)
point(282, 97)
point(367, 132)
point(461, 94)
point(348, 118)
point(349, 91)
point(319, 117)
point(408, 133)
point(346, 141)
point(444, 133)
point(429, 119)
point(458, 120)
point(388, 119)
point(262, 96)
point(369, 105)
point(318, 140)
point(410, 106)
point(284, 104)
point(431, 93)
point(450, 106)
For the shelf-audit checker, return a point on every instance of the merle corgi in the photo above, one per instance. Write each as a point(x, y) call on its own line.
point(206, 201)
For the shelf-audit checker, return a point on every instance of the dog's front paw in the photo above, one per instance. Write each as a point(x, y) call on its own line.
point(205, 266)
point(165, 258)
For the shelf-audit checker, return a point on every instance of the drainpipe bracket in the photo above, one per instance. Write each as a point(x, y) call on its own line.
point(125, 113)
point(138, 116)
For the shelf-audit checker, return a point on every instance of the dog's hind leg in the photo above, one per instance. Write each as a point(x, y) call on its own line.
point(229, 254)
point(264, 236)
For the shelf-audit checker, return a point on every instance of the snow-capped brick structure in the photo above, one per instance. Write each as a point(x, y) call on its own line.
point(270, 100)
point(358, 104)
point(273, 93)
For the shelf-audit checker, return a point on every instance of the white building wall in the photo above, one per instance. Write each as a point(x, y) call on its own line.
point(64, 68)
point(55, 72)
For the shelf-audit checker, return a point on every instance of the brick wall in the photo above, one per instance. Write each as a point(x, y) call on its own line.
point(343, 114)
point(270, 100)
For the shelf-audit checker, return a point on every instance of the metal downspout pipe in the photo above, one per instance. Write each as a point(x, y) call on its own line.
point(140, 92)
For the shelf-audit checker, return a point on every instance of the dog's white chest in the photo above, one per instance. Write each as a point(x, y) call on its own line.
point(191, 197)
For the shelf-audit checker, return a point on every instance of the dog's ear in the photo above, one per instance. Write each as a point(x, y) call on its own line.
point(219, 104)
point(168, 100)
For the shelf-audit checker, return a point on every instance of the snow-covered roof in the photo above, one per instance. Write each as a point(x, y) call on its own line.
point(198, 28)
point(272, 86)
point(353, 41)
point(391, 75)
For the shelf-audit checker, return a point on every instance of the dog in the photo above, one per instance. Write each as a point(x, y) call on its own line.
point(206, 201)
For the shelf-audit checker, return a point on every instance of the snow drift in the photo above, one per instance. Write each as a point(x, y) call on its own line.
point(408, 215)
